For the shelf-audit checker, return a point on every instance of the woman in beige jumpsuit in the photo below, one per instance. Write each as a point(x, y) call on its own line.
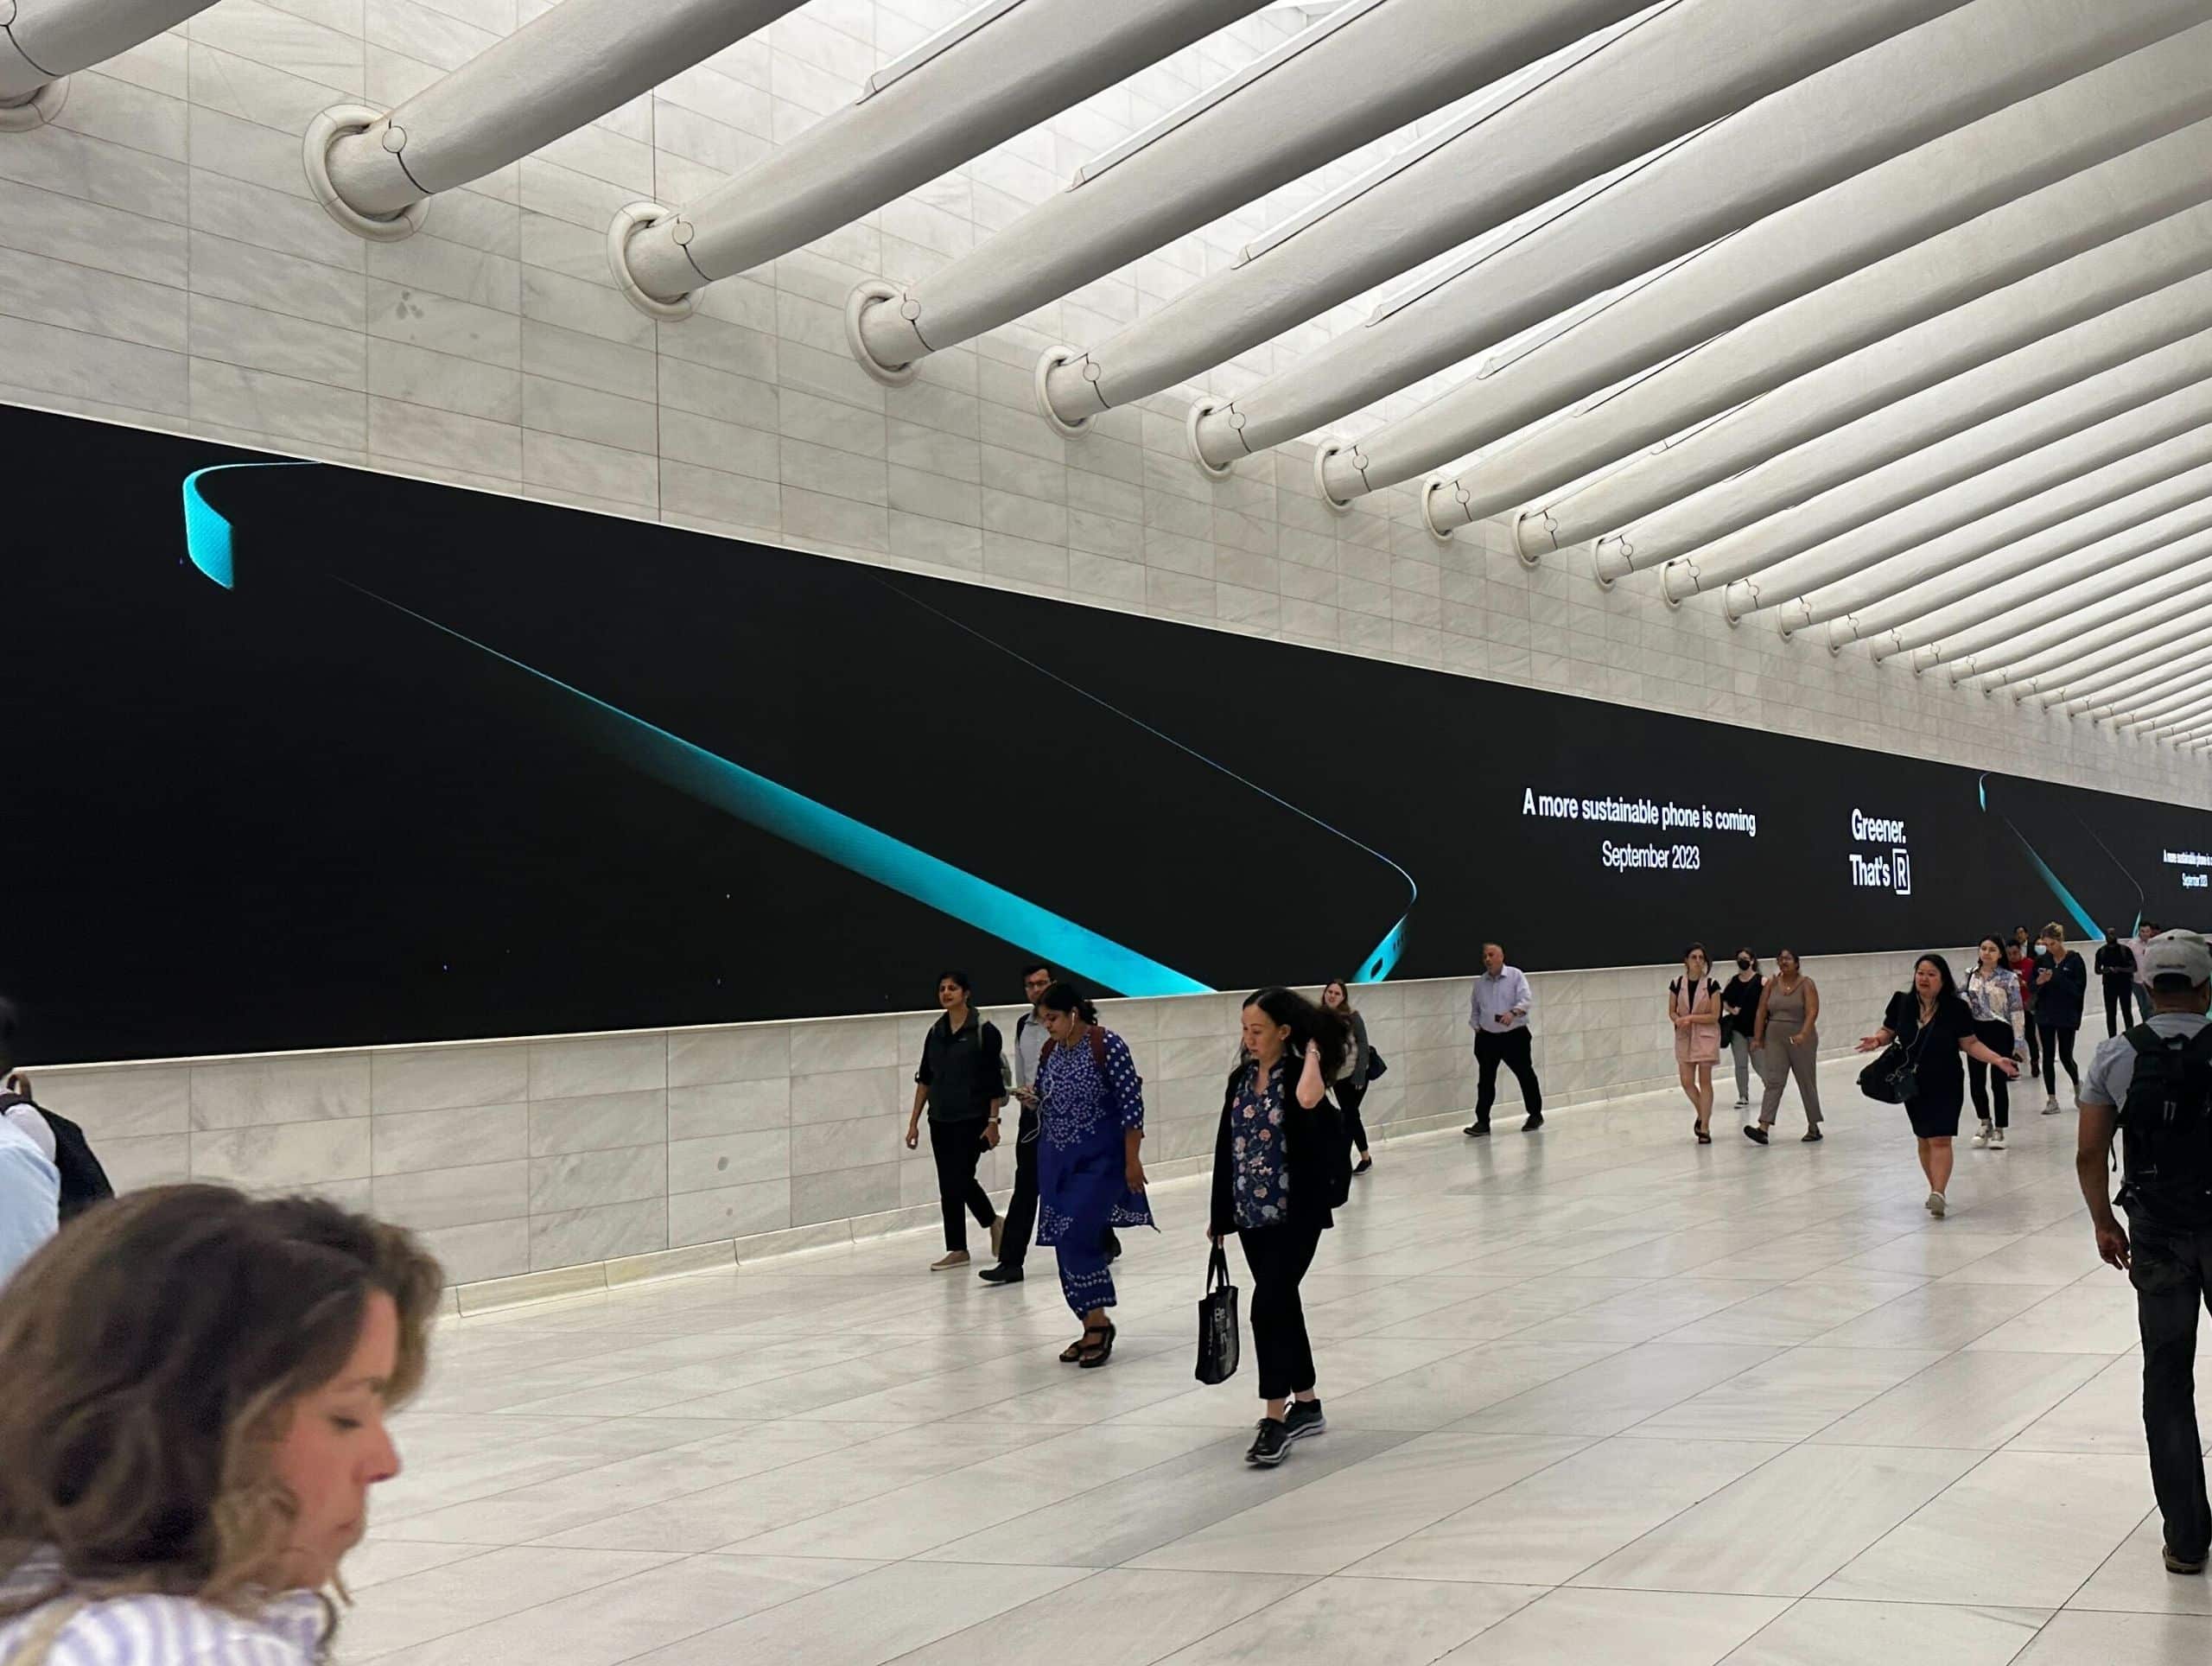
point(1786, 1041)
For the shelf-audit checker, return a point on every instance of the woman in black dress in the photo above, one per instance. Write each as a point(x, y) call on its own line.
point(1931, 1022)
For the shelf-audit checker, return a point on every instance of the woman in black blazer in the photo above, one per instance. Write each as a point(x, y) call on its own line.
point(2062, 988)
point(1280, 1167)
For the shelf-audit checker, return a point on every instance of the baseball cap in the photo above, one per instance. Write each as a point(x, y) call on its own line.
point(2177, 958)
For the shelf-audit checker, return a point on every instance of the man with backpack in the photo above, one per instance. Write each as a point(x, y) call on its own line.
point(81, 1180)
point(2153, 1087)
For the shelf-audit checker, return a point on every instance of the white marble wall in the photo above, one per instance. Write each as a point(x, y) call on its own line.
point(162, 264)
point(589, 1158)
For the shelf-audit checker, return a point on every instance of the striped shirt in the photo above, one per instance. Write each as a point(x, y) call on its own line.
point(156, 1631)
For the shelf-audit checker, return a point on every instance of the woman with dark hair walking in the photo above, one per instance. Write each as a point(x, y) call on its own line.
point(1785, 1034)
point(1994, 997)
point(2062, 989)
point(1932, 1026)
point(1693, 1009)
point(1089, 1178)
point(1740, 1011)
point(1351, 1082)
point(1281, 1166)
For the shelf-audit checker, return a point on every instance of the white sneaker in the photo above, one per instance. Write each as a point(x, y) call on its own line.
point(1936, 1205)
point(1997, 1139)
point(2050, 1106)
point(1981, 1135)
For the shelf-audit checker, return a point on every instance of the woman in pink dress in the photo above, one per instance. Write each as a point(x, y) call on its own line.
point(1693, 1009)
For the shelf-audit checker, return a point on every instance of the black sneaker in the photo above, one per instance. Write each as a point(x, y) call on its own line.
point(1001, 1274)
point(1755, 1132)
point(1476, 1130)
point(1270, 1445)
point(1533, 1124)
point(1305, 1417)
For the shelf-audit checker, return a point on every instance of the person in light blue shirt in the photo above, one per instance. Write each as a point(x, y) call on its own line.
point(30, 1198)
point(1498, 1015)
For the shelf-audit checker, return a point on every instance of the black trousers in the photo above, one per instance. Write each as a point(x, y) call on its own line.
point(1348, 1098)
point(2171, 1267)
point(1279, 1256)
point(1510, 1049)
point(2031, 1033)
point(958, 1147)
point(1022, 1207)
point(2058, 1049)
point(1983, 1083)
point(2120, 997)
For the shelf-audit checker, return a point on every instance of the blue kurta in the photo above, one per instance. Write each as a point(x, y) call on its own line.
point(1083, 1187)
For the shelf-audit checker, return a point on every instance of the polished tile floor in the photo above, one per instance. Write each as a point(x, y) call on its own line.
point(1595, 1395)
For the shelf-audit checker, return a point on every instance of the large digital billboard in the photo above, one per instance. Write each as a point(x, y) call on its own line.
point(306, 756)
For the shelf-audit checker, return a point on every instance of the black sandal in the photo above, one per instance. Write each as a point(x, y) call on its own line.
point(1073, 1354)
point(1096, 1354)
point(1699, 1129)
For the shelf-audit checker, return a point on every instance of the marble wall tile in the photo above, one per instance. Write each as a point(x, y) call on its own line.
point(77, 297)
point(840, 1095)
point(435, 1079)
point(745, 1053)
point(485, 1249)
point(284, 1154)
point(602, 1122)
point(133, 1162)
point(844, 1193)
point(726, 1159)
point(407, 1142)
point(454, 1197)
point(578, 1235)
point(818, 1147)
point(67, 362)
point(734, 1211)
point(114, 1101)
point(300, 1087)
point(843, 1044)
point(598, 1065)
point(580, 1180)
point(726, 1107)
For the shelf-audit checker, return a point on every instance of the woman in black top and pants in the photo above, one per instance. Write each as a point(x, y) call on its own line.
point(1931, 1022)
point(2062, 989)
point(1281, 1166)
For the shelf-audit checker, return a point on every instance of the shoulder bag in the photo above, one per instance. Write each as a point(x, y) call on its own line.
point(1219, 1343)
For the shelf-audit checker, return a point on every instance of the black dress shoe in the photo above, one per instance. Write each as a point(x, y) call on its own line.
point(1000, 1274)
point(1533, 1124)
point(1476, 1130)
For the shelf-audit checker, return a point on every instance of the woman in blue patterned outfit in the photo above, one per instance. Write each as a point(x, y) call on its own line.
point(1281, 1164)
point(1089, 1178)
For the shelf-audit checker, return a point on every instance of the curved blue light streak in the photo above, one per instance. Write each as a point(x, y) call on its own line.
point(776, 808)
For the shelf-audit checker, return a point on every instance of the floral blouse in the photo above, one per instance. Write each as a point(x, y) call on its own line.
point(1995, 998)
point(1261, 1180)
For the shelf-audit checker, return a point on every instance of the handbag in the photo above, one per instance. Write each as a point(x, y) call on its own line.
point(1377, 1069)
point(1219, 1343)
point(1894, 1076)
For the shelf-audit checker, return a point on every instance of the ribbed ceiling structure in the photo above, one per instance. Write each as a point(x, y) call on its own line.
point(1889, 320)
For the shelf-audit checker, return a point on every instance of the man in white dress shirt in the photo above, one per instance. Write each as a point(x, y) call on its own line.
point(1498, 1015)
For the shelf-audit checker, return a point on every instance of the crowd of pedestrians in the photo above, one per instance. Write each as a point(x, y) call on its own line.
point(226, 1434)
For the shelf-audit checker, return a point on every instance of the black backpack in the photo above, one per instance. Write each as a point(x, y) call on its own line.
point(2166, 1127)
point(83, 1182)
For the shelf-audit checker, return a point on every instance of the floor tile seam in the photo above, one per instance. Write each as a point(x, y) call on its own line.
point(2112, 1556)
point(1780, 1450)
point(1090, 1574)
point(1224, 1438)
point(521, 1409)
point(876, 1566)
point(1906, 1520)
point(541, 1541)
point(664, 1559)
point(1588, 1443)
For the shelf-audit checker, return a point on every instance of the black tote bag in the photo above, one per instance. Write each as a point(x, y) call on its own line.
point(1219, 1343)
